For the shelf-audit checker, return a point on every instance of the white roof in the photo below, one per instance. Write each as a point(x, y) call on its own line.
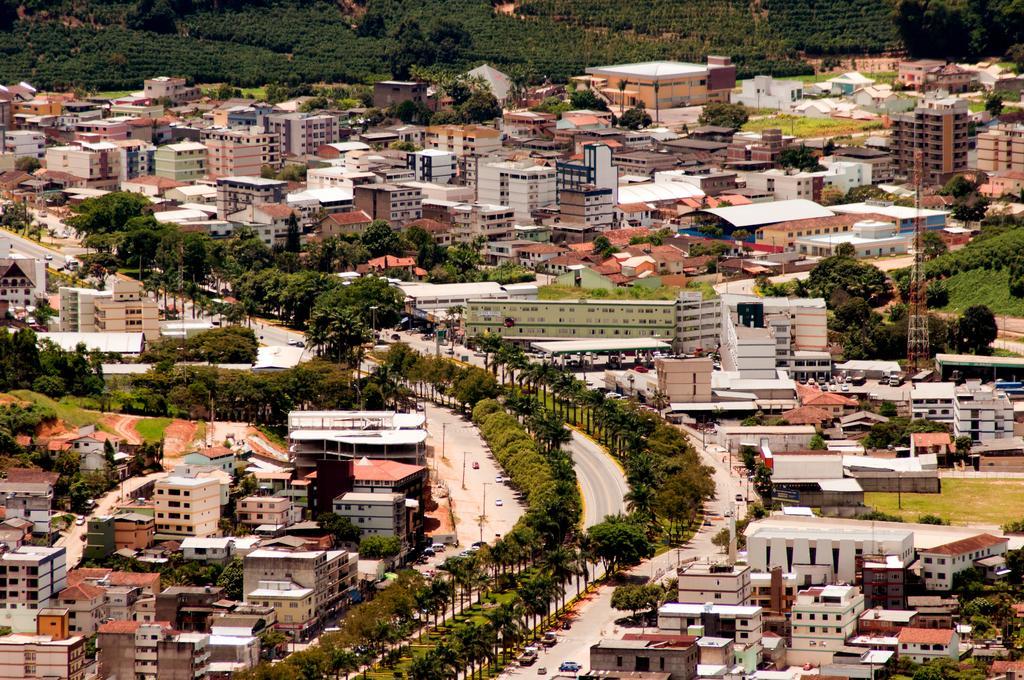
point(604, 344)
point(185, 146)
point(651, 69)
point(294, 593)
point(899, 212)
point(362, 437)
point(332, 195)
point(277, 357)
point(121, 343)
point(219, 543)
point(659, 191)
point(797, 510)
point(345, 147)
point(693, 609)
point(939, 390)
point(770, 213)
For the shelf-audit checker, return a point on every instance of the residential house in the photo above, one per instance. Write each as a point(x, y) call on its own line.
point(985, 552)
point(343, 223)
point(922, 645)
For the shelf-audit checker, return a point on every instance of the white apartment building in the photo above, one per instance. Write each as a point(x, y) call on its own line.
point(470, 221)
point(699, 322)
point(786, 185)
point(773, 544)
point(376, 514)
point(30, 501)
point(933, 401)
point(97, 164)
point(982, 412)
point(524, 186)
point(432, 165)
point(463, 140)
point(765, 92)
point(187, 506)
point(718, 583)
point(846, 175)
point(822, 619)
point(22, 143)
point(742, 623)
point(34, 575)
point(941, 563)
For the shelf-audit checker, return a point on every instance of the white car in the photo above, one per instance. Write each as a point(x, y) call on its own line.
point(498, 502)
point(80, 521)
point(296, 343)
point(499, 480)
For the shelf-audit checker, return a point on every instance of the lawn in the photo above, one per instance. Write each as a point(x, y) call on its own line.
point(152, 429)
point(880, 77)
point(66, 411)
point(983, 287)
point(803, 127)
point(555, 292)
point(962, 501)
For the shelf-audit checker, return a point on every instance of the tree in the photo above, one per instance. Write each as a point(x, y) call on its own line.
point(848, 276)
point(962, 445)
point(480, 108)
point(27, 164)
point(634, 119)
point(380, 239)
point(636, 597)
point(108, 213)
point(379, 547)
point(994, 103)
point(817, 443)
point(975, 330)
point(724, 115)
point(337, 333)
point(619, 542)
point(799, 158)
point(971, 209)
point(932, 245)
point(845, 250)
point(230, 580)
point(341, 528)
point(587, 99)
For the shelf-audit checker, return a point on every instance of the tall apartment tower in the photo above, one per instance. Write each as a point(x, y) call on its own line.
point(938, 127)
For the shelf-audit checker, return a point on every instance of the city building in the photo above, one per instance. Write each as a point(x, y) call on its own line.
point(463, 140)
point(869, 238)
point(685, 381)
point(29, 501)
point(137, 158)
point(187, 506)
point(594, 170)
point(388, 93)
point(122, 307)
point(188, 608)
point(928, 75)
point(98, 164)
point(822, 619)
point(982, 412)
point(181, 161)
point(720, 583)
point(107, 534)
point(432, 165)
point(86, 606)
point(394, 203)
point(376, 514)
point(985, 552)
point(741, 623)
point(765, 92)
point(937, 128)
point(174, 90)
point(883, 582)
point(301, 134)
point(34, 576)
point(275, 511)
point(787, 184)
point(22, 282)
point(922, 645)
point(524, 186)
point(49, 654)
point(658, 85)
point(237, 193)
point(470, 221)
point(151, 651)
point(675, 656)
point(234, 152)
point(22, 143)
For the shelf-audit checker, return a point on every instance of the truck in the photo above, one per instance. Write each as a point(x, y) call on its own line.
point(529, 657)
point(895, 379)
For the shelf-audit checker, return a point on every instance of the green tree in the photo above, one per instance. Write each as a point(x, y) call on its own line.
point(619, 542)
point(480, 108)
point(337, 333)
point(636, 597)
point(380, 239)
point(588, 100)
point(799, 158)
point(230, 580)
point(634, 119)
point(341, 528)
point(378, 547)
point(933, 245)
point(724, 115)
point(27, 164)
point(975, 330)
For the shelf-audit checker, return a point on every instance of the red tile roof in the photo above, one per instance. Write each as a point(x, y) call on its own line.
point(31, 476)
point(279, 211)
point(156, 181)
point(81, 591)
point(633, 207)
point(807, 415)
point(120, 627)
point(966, 545)
point(350, 218)
point(817, 398)
point(931, 439)
point(366, 469)
point(925, 636)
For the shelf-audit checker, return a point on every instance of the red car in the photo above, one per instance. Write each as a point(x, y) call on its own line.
point(476, 465)
point(641, 369)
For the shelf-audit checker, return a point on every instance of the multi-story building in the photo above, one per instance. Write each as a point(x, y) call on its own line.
point(187, 506)
point(97, 164)
point(933, 401)
point(234, 152)
point(554, 319)
point(394, 203)
point(883, 582)
point(937, 128)
point(30, 501)
point(927, 75)
point(276, 511)
point(587, 205)
point(741, 623)
point(304, 587)
point(376, 514)
point(463, 140)
point(21, 143)
point(594, 169)
point(524, 186)
point(656, 85)
point(128, 309)
point(182, 162)
point(1001, 147)
point(42, 657)
point(22, 281)
point(175, 90)
point(301, 134)
point(151, 651)
point(32, 576)
point(881, 162)
point(822, 619)
point(718, 583)
point(765, 92)
point(922, 645)
point(940, 564)
point(388, 93)
point(786, 185)
point(125, 531)
point(237, 193)
point(472, 221)
point(137, 158)
point(86, 606)
point(675, 656)
point(188, 608)
point(982, 412)
point(432, 165)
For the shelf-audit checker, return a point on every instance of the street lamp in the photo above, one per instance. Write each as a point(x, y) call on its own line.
point(373, 312)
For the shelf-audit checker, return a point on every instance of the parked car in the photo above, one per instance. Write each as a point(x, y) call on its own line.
point(499, 480)
point(569, 667)
point(80, 521)
point(476, 465)
point(498, 502)
point(528, 658)
point(542, 671)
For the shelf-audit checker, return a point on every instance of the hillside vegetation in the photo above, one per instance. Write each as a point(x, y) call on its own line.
point(114, 44)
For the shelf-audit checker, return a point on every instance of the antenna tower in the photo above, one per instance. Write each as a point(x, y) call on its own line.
point(917, 330)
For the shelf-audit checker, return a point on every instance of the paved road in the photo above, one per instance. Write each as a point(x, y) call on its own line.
point(602, 482)
point(29, 248)
point(72, 540)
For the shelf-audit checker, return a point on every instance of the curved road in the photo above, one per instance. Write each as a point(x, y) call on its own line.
point(601, 481)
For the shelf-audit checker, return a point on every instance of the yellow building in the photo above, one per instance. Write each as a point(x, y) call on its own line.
point(294, 606)
point(187, 506)
point(662, 84)
point(463, 140)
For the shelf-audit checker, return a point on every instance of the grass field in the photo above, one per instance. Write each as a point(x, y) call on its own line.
point(962, 501)
point(983, 287)
point(555, 292)
point(152, 429)
point(801, 126)
point(68, 412)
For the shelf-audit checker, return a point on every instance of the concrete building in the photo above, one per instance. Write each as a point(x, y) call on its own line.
point(232, 153)
point(674, 656)
point(388, 93)
point(588, 206)
point(304, 587)
point(432, 165)
point(718, 583)
point(741, 623)
point(22, 281)
point(929, 75)
point(982, 412)
point(137, 158)
point(237, 193)
point(188, 608)
point(121, 308)
point(29, 501)
point(22, 143)
point(662, 84)
point(182, 162)
point(1001, 147)
point(922, 645)
point(474, 220)
point(187, 506)
point(151, 651)
point(254, 511)
point(985, 552)
point(761, 335)
point(785, 185)
point(822, 619)
point(97, 164)
point(685, 380)
point(869, 238)
point(938, 128)
point(376, 514)
point(834, 547)
point(594, 169)
point(301, 134)
point(394, 203)
point(524, 186)
point(463, 140)
point(174, 90)
point(589, 318)
point(34, 575)
point(933, 401)
point(42, 657)
point(765, 92)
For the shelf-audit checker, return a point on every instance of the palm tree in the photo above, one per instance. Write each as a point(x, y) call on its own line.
point(622, 96)
point(427, 667)
point(505, 622)
point(336, 333)
point(640, 501)
point(591, 400)
point(561, 564)
point(657, 101)
point(660, 401)
point(490, 344)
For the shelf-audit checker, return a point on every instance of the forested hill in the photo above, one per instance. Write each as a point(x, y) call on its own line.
point(113, 44)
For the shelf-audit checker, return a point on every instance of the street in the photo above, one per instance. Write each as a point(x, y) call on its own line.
point(73, 542)
point(602, 482)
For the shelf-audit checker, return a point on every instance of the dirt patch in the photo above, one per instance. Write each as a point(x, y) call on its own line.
point(54, 429)
point(178, 437)
point(123, 426)
point(11, 400)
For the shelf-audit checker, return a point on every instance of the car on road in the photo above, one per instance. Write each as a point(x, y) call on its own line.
point(542, 671)
point(80, 521)
point(49, 258)
point(613, 395)
point(549, 639)
point(476, 465)
point(739, 498)
point(296, 343)
point(499, 502)
point(569, 667)
point(499, 480)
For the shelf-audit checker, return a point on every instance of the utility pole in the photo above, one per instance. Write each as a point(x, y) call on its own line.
point(464, 469)
point(444, 431)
